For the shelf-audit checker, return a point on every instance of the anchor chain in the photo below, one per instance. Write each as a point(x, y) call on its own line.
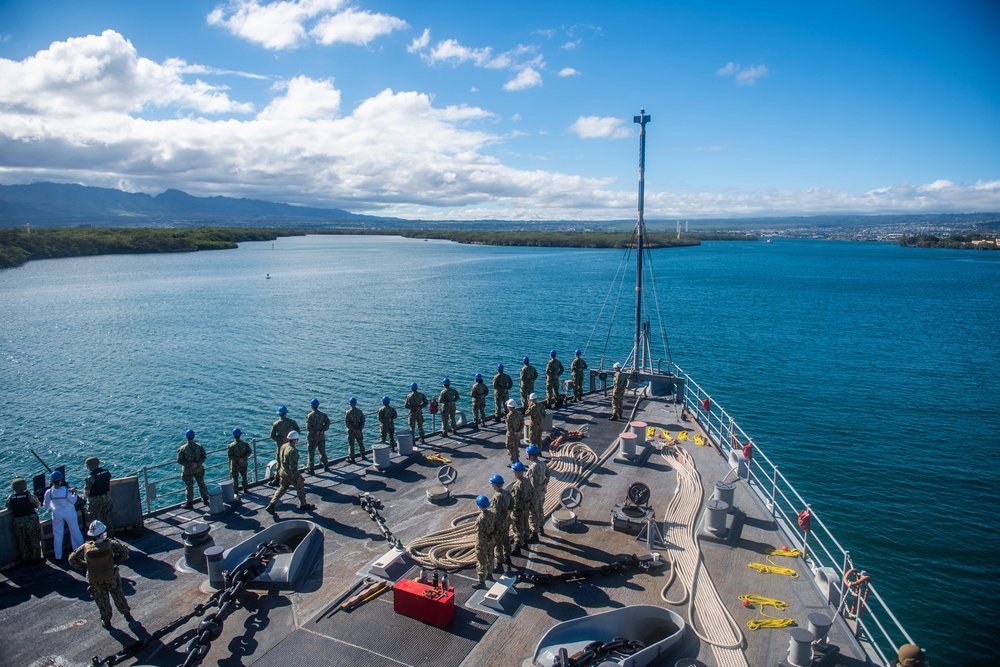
point(623, 564)
point(596, 652)
point(210, 628)
point(372, 505)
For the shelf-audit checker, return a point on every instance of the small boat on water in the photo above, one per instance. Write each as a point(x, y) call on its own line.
point(630, 636)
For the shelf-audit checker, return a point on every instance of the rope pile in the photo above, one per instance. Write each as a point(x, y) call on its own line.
point(455, 547)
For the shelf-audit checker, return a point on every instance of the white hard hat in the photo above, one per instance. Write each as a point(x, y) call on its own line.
point(97, 527)
point(531, 397)
point(511, 403)
point(292, 435)
point(617, 366)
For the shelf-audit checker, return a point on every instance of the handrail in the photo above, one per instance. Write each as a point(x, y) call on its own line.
point(766, 481)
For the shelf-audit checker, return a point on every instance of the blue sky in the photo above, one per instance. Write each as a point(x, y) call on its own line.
point(516, 110)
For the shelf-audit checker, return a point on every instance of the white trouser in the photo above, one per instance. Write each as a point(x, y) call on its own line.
point(65, 516)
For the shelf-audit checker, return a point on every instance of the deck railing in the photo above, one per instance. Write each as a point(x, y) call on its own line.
point(867, 614)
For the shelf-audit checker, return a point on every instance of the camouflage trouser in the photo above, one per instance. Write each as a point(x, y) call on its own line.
point(537, 508)
point(484, 559)
point(237, 470)
point(501, 542)
point(189, 479)
point(519, 521)
point(578, 386)
point(101, 592)
point(500, 397)
point(479, 410)
point(526, 391)
point(447, 416)
point(513, 446)
point(317, 442)
point(535, 432)
point(617, 402)
point(387, 432)
point(100, 508)
point(28, 532)
point(416, 421)
point(352, 437)
point(285, 481)
point(552, 390)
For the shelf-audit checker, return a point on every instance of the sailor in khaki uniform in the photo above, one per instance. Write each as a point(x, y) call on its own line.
point(100, 558)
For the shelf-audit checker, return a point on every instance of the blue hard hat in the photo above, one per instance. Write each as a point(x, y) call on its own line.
point(496, 479)
point(578, 353)
point(499, 367)
point(413, 386)
point(189, 434)
point(552, 353)
point(237, 433)
point(483, 501)
point(446, 382)
point(55, 475)
point(526, 360)
point(518, 467)
point(479, 376)
point(282, 410)
point(314, 402)
point(385, 400)
point(353, 401)
point(533, 450)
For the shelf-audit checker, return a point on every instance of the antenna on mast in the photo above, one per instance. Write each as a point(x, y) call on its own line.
point(640, 229)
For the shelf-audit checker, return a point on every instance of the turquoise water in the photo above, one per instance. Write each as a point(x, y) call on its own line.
point(869, 371)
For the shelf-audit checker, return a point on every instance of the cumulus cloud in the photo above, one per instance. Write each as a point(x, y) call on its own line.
point(304, 99)
point(596, 127)
point(744, 76)
point(568, 71)
point(523, 59)
point(289, 23)
point(526, 78)
point(420, 43)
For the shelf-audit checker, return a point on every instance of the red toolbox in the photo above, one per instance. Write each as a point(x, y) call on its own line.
point(424, 603)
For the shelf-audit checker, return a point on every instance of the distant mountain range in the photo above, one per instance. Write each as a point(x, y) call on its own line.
point(61, 205)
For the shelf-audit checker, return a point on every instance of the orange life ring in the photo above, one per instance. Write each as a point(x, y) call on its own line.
point(855, 587)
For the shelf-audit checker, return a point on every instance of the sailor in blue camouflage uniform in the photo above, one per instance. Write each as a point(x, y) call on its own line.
point(191, 456)
point(23, 506)
point(528, 376)
point(387, 423)
point(553, 370)
point(577, 368)
point(416, 402)
point(479, 393)
point(100, 557)
point(447, 399)
point(317, 422)
point(97, 490)
point(501, 392)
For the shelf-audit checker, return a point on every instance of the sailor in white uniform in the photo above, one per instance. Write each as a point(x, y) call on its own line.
point(61, 501)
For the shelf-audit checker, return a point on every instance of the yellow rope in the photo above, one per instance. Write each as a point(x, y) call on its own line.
point(773, 569)
point(768, 621)
point(762, 601)
point(437, 458)
point(792, 553)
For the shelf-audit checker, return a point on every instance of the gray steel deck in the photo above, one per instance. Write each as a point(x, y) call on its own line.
point(47, 614)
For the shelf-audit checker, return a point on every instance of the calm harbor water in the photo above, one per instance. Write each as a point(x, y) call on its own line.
point(868, 371)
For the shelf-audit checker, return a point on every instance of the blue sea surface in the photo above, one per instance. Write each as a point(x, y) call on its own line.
point(866, 370)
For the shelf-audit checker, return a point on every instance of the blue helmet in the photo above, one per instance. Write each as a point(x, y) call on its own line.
point(446, 382)
point(55, 475)
point(518, 467)
point(526, 360)
point(413, 386)
point(189, 434)
point(385, 400)
point(496, 479)
point(483, 502)
point(237, 433)
point(282, 410)
point(552, 353)
point(314, 402)
point(578, 353)
point(533, 450)
point(479, 376)
point(353, 401)
point(499, 367)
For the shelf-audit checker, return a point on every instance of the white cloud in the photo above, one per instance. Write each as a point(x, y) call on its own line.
point(709, 149)
point(288, 23)
point(304, 98)
point(420, 43)
point(595, 127)
point(526, 78)
point(453, 52)
point(354, 27)
point(571, 46)
point(568, 71)
point(744, 76)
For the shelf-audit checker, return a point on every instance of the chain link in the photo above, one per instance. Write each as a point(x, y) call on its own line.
point(372, 505)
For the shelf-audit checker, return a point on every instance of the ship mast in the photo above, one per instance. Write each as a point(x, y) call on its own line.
point(640, 228)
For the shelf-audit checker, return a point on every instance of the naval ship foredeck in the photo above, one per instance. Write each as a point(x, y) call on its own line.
point(49, 619)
